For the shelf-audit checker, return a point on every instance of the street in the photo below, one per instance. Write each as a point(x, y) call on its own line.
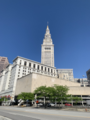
point(28, 113)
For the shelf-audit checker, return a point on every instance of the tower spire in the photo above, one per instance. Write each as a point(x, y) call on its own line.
point(47, 56)
point(47, 34)
point(47, 24)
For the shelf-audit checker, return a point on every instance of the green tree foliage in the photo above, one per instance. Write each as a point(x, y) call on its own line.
point(77, 99)
point(26, 96)
point(61, 93)
point(41, 91)
point(3, 99)
point(73, 99)
point(56, 92)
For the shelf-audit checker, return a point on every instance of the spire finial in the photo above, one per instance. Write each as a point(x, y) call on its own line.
point(47, 24)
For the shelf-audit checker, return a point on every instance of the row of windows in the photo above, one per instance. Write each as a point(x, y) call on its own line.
point(38, 67)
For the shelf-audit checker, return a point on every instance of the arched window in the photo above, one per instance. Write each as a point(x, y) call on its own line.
point(45, 69)
point(48, 69)
point(51, 70)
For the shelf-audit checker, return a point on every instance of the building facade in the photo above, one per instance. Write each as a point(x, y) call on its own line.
point(32, 81)
point(3, 63)
point(47, 50)
point(21, 67)
point(66, 74)
point(88, 76)
point(82, 81)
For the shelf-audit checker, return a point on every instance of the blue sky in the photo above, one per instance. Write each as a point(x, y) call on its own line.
point(23, 25)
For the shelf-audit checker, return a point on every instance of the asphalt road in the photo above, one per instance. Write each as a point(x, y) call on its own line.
point(16, 113)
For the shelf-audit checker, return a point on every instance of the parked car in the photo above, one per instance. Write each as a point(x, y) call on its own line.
point(50, 105)
point(40, 104)
point(68, 104)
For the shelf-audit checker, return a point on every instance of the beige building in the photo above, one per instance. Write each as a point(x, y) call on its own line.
point(34, 80)
point(66, 74)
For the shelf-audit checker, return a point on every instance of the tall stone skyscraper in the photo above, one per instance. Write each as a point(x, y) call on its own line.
point(47, 52)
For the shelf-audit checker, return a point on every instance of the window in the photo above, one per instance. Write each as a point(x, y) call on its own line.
point(29, 64)
point(51, 70)
point(34, 66)
point(20, 62)
point(18, 72)
point(18, 75)
point(38, 67)
point(23, 70)
point(25, 63)
point(48, 69)
point(2, 60)
point(47, 48)
point(45, 69)
point(41, 67)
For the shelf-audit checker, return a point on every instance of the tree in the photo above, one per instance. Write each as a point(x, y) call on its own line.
point(77, 99)
point(74, 99)
point(54, 93)
point(26, 96)
point(61, 93)
point(42, 92)
point(3, 99)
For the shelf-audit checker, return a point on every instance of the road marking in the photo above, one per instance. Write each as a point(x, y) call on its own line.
point(50, 114)
point(5, 117)
point(18, 114)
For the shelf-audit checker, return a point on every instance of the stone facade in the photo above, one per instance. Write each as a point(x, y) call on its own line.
point(82, 81)
point(66, 74)
point(34, 80)
point(21, 67)
point(47, 50)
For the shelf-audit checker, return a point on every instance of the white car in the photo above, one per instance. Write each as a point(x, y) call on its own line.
point(50, 104)
point(40, 104)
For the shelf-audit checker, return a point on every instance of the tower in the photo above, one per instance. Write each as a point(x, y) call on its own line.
point(47, 50)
